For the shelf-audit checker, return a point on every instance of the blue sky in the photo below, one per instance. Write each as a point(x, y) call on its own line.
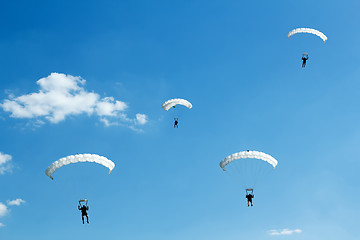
point(233, 61)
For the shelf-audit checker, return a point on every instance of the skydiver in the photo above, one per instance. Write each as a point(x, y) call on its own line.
point(176, 123)
point(304, 58)
point(249, 197)
point(83, 210)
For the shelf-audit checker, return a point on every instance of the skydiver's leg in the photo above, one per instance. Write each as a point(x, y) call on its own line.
point(87, 218)
point(83, 218)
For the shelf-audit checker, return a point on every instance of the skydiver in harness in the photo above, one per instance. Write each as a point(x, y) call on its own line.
point(249, 196)
point(83, 210)
point(176, 123)
point(304, 58)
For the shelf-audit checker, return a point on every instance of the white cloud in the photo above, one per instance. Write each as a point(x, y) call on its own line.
point(141, 119)
point(63, 95)
point(284, 231)
point(15, 202)
point(5, 163)
point(109, 107)
point(4, 158)
point(3, 209)
point(135, 129)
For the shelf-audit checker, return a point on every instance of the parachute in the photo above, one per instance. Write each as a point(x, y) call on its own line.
point(247, 167)
point(248, 154)
point(79, 158)
point(307, 30)
point(176, 101)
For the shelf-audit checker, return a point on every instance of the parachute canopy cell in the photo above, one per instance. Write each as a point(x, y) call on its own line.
point(176, 101)
point(248, 154)
point(79, 158)
point(307, 30)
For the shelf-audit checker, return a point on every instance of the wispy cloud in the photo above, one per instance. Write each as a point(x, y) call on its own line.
point(2, 225)
point(285, 231)
point(5, 163)
point(16, 202)
point(123, 120)
point(61, 96)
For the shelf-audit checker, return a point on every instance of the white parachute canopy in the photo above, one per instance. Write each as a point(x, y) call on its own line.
point(176, 101)
point(307, 30)
point(79, 158)
point(248, 154)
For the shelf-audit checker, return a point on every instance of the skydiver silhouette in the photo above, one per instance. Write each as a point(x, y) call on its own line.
point(176, 123)
point(249, 197)
point(304, 58)
point(83, 210)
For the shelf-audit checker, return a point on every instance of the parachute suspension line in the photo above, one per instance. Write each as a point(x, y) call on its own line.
point(255, 168)
point(259, 169)
point(230, 173)
point(239, 168)
point(247, 172)
point(262, 171)
point(233, 171)
point(258, 172)
point(176, 111)
point(233, 174)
